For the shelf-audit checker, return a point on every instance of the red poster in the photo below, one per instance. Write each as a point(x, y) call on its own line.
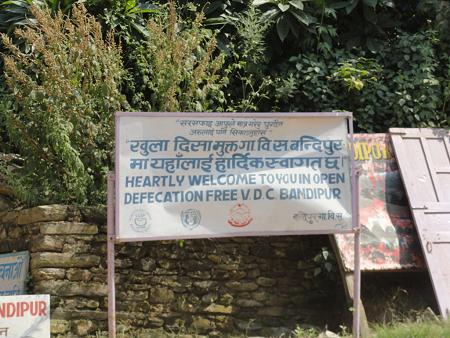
point(388, 239)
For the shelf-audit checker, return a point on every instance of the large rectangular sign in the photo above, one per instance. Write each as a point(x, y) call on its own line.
point(25, 316)
point(215, 175)
point(13, 272)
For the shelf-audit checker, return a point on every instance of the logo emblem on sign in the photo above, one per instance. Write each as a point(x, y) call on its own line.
point(239, 215)
point(190, 218)
point(140, 220)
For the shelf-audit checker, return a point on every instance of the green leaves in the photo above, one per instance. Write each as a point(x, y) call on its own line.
point(283, 7)
point(282, 27)
point(128, 18)
point(341, 55)
point(262, 2)
point(175, 66)
point(289, 16)
point(354, 73)
point(16, 13)
point(297, 4)
point(64, 92)
point(404, 84)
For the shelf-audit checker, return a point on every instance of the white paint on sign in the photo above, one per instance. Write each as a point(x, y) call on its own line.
point(26, 316)
point(215, 175)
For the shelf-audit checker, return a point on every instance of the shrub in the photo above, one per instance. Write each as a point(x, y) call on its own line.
point(405, 85)
point(249, 86)
point(64, 92)
point(175, 68)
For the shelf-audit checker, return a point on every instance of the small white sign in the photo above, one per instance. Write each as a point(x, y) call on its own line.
point(13, 272)
point(26, 316)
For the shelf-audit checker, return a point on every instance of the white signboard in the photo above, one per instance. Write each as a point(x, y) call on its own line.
point(216, 175)
point(25, 316)
point(13, 272)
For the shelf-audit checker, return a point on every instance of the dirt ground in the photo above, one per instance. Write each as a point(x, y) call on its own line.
point(393, 296)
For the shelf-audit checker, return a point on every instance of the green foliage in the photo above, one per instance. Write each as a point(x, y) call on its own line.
point(175, 68)
point(300, 332)
point(289, 15)
point(5, 105)
point(16, 13)
point(64, 93)
point(221, 12)
point(416, 95)
point(355, 72)
point(127, 19)
point(404, 85)
point(387, 61)
point(374, 19)
point(420, 329)
point(250, 44)
point(248, 85)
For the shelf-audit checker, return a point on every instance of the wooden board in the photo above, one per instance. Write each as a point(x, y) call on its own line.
point(424, 160)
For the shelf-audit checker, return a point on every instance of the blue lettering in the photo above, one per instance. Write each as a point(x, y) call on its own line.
point(269, 194)
point(257, 194)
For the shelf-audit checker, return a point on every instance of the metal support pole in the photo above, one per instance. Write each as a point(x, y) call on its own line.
point(110, 252)
point(357, 267)
point(357, 228)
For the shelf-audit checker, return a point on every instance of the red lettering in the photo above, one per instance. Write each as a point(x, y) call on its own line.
point(42, 308)
point(24, 307)
point(34, 308)
point(10, 309)
point(19, 309)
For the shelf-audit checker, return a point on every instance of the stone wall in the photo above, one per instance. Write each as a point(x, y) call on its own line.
point(263, 286)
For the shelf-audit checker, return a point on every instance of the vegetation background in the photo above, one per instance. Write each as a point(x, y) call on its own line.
point(67, 66)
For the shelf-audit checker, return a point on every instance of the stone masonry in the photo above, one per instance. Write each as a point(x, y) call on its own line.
point(258, 285)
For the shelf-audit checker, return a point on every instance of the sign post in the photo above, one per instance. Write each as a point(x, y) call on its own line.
point(110, 238)
point(205, 175)
point(357, 259)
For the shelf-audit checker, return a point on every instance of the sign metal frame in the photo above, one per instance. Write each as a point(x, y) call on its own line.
point(113, 211)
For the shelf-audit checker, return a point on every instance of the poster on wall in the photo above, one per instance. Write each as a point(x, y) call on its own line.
point(388, 237)
point(203, 175)
point(25, 316)
point(13, 273)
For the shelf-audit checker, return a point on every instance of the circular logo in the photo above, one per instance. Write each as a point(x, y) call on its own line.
point(239, 215)
point(140, 220)
point(190, 218)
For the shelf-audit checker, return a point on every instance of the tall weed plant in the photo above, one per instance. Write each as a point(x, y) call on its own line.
point(250, 85)
point(176, 67)
point(64, 92)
